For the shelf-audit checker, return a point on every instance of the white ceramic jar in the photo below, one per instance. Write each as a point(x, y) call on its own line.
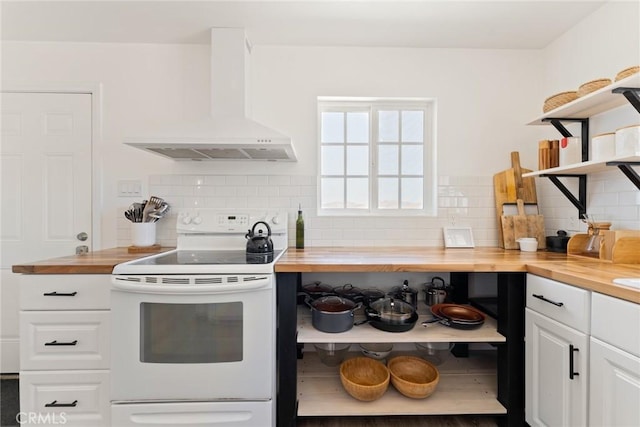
point(628, 141)
point(570, 151)
point(603, 146)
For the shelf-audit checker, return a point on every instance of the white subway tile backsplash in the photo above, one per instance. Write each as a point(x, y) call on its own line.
point(463, 201)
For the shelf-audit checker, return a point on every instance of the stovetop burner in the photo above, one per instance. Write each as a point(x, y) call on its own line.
point(186, 257)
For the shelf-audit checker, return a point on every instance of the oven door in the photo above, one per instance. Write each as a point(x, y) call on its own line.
point(175, 339)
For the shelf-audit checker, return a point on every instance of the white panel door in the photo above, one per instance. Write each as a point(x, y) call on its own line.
point(45, 167)
point(555, 373)
point(614, 398)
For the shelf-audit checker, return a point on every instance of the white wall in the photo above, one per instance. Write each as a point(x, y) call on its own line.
point(484, 99)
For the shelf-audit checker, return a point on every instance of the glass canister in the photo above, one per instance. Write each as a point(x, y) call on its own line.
point(592, 248)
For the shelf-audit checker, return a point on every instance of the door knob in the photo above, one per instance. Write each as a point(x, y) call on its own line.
point(82, 236)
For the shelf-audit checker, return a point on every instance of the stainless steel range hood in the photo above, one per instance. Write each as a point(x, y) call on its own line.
point(228, 134)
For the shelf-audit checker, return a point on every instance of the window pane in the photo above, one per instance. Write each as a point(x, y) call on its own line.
point(388, 160)
point(412, 160)
point(358, 127)
point(357, 193)
point(412, 126)
point(332, 127)
point(388, 126)
point(411, 193)
point(387, 193)
point(332, 160)
point(358, 160)
point(332, 193)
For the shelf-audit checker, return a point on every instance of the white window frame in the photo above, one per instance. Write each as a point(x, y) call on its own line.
point(372, 106)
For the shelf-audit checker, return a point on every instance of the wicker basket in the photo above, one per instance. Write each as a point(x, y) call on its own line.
point(413, 377)
point(627, 72)
point(593, 85)
point(364, 378)
point(559, 99)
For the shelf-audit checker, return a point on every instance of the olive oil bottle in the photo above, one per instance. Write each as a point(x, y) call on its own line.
point(300, 229)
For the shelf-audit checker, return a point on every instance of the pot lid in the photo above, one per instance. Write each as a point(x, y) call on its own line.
point(333, 304)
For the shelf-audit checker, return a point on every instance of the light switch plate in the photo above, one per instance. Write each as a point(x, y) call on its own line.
point(129, 188)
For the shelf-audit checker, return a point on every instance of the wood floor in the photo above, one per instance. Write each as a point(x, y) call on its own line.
point(412, 421)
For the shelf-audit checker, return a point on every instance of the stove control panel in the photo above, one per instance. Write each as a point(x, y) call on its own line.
point(201, 220)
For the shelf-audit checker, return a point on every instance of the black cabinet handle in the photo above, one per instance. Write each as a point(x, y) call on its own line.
point(55, 404)
point(54, 342)
point(558, 304)
point(572, 374)
point(60, 294)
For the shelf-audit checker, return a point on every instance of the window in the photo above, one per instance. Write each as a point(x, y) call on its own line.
point(377, 156)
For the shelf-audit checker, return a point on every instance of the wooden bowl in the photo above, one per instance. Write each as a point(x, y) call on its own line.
point(364, 378)
point(413, 377)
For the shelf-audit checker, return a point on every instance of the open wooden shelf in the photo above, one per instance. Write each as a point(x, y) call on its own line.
point(434, 332)
point(593, 103)
point(584, 168)
point(466, 386)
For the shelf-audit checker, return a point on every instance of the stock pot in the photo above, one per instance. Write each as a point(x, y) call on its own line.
point(332, 313)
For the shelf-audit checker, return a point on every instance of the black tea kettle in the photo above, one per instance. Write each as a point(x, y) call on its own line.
point(259, 243)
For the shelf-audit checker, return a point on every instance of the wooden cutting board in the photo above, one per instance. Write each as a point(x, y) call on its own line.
point(514, 227)
point(509, 186)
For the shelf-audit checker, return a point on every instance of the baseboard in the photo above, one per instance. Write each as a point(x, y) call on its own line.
point(9, 355)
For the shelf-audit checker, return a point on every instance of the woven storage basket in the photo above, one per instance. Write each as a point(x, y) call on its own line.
point(593, 85)
point(558, 99)
point(364, 378)
point(413, 377)
point(627, 72)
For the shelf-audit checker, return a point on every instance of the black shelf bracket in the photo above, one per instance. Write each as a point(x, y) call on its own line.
point(632, 94)
point(629, 172)
point(581, 202)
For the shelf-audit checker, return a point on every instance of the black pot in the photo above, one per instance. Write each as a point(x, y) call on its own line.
point(349, 291)
point(558, 243)
point(371, 295)
point(317, 289)
point(332, 314)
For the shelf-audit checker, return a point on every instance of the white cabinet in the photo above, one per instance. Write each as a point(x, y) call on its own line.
point(556, 353)
point(64, 349)
point(614, 390)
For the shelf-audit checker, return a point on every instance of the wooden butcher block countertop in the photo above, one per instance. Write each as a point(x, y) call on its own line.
point(588, 274)
point(98, 262)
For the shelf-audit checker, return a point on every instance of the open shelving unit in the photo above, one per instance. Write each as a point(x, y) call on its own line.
point(579, 110)
point(468, 385)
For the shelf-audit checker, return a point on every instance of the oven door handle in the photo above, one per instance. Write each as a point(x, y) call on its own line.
point(126, 284)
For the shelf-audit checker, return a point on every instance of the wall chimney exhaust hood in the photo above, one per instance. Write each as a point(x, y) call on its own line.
point(228, 134)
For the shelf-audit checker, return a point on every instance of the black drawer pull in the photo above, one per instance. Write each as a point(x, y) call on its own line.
point(558, 304)
point(54, 342)
point(55, 404)
point(572, 374)
point(59, 294)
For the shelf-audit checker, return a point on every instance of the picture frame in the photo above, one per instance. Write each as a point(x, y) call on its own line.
point(458, 237)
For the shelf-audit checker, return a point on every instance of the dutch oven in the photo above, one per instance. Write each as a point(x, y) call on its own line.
point(372, 294)
point(348, 291)
point(391, 315)
point(558, 243)
point(332, 313)
point(317, 289)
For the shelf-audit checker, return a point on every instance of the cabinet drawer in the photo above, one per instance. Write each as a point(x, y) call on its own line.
point(564, 303)
point(615, 322)
point(69, 398)
point(64, 340)
point(65, 291)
